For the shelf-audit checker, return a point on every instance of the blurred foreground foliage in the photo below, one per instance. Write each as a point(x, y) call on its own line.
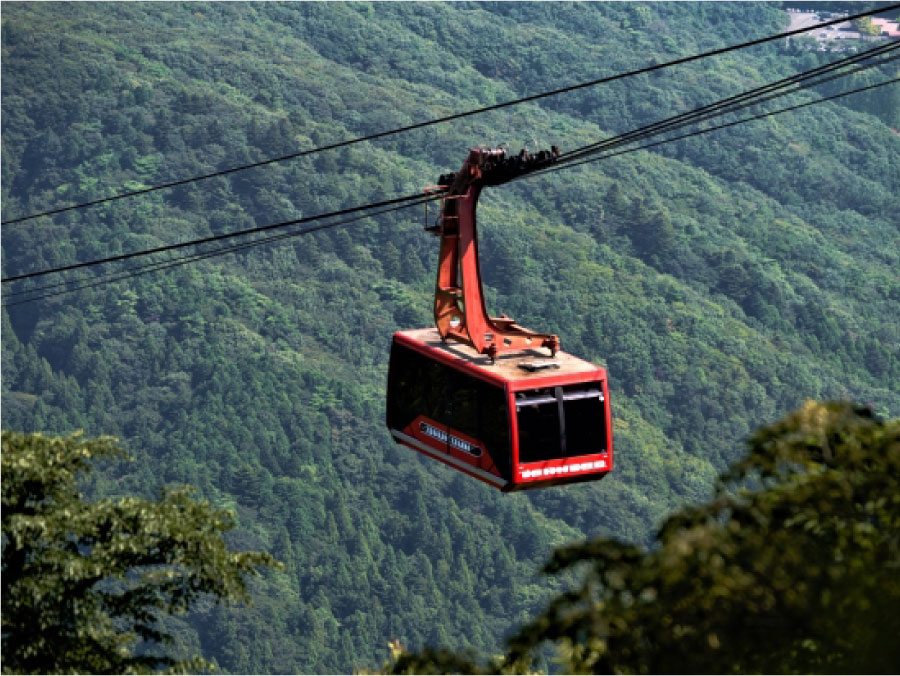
point(84, 582)
point(791, 568)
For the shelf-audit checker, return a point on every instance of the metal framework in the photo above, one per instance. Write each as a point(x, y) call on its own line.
point(459, 307)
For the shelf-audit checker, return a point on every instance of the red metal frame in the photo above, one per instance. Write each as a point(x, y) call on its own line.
point(459, 307)
point(460, 313)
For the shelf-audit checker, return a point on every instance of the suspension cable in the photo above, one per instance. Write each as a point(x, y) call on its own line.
point(213, 238)
point(190, 258)
point(729, 104)
point(137, 271)
point(746, 99)
point(448, 118)
point(558, 167)
point(574, 158)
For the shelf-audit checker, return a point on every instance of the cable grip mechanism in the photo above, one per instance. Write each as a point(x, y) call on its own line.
point(459, 307)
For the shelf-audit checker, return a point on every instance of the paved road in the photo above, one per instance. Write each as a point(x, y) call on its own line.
point(802, 20)
point(808, 20)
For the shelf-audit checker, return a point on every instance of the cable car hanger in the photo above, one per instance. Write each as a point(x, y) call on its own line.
point(519, 423)
point(459, 308)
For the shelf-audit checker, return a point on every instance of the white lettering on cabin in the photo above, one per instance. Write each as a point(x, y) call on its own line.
point(455, 442)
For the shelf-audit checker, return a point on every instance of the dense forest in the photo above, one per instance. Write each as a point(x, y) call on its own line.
point(722, 279)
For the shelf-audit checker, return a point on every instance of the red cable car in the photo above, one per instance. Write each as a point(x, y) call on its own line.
point(475, 391)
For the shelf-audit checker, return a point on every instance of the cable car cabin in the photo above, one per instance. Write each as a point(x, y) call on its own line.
point(525, 421)
point(475, 391)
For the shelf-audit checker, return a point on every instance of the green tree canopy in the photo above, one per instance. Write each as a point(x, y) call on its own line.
point(865, 26)
point(84, 582)
point(791, 568)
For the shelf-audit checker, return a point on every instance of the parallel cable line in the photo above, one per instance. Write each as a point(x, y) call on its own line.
point(713, 110)
point(192, 258)
point(213, 238)
point(746, 99)
point(730, 104)
point(154, 267)
point(628, 141)
point(455, 116)
point(558, 167)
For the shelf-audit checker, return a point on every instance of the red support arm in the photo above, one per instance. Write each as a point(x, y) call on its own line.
point(459, 308)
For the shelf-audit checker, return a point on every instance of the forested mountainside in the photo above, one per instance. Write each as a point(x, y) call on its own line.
point(722, 279)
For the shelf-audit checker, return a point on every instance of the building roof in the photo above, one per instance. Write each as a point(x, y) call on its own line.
point(887, 26)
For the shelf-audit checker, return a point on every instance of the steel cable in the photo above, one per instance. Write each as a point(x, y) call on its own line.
point(448, 118)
